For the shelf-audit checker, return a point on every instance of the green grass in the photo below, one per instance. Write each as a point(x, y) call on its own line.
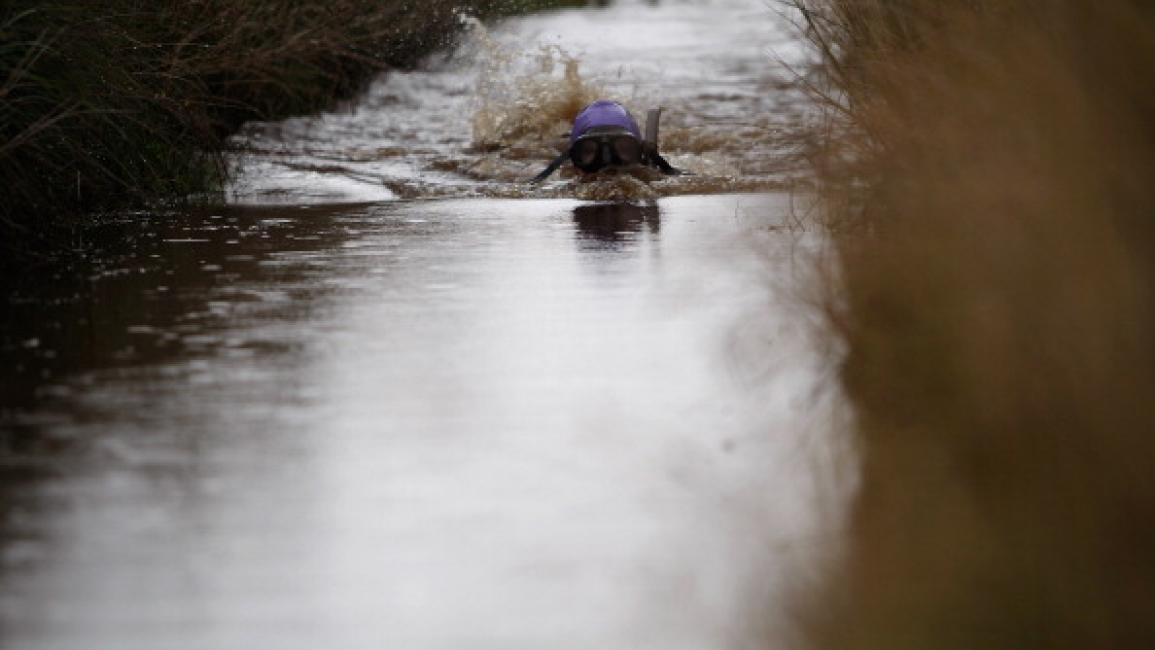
point(986, 167)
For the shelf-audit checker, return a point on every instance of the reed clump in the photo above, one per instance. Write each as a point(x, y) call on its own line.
point(119, 103)
point(987, 168)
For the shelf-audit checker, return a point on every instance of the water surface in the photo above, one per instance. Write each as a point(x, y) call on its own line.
point(485, 117)
point(322, 416)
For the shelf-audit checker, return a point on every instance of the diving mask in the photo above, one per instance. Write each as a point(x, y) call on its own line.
point(599, 148)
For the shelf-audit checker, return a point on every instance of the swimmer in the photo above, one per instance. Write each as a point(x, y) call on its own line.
point(605, 135)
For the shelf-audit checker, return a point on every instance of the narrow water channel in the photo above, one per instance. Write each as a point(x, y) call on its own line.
point(386, 397)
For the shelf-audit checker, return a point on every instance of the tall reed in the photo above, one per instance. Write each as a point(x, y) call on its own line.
point(987, 167)
point(122, 102)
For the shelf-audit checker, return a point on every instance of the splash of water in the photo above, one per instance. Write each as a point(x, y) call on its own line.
point(524, 104)
point(521, 99)
point(490, 116)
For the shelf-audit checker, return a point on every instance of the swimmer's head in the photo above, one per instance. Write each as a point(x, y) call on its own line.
point(604, 135)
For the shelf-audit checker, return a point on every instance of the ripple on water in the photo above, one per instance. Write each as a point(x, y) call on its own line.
point(481, 120)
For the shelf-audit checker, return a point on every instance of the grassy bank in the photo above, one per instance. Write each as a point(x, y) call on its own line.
point(120, 103)
point(987, 167)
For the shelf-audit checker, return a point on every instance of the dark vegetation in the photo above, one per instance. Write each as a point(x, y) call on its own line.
point(988, 167)
point(122, 103)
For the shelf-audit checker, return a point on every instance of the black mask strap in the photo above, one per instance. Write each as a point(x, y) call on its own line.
point(655, 158)
point(662, 164)
point(557, 162)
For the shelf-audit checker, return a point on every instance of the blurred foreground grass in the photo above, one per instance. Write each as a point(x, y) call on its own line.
point(119, 103)
point(988, 167)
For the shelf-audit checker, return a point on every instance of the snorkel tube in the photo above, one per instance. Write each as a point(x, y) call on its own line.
point(650, 144)
point(604, 135)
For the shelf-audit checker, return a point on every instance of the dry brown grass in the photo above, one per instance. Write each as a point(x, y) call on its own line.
point(989, 169)
point(124, 103)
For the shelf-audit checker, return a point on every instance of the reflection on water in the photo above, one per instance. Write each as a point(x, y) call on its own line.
point(422, 425)
point(154, 286)
point(613, 222)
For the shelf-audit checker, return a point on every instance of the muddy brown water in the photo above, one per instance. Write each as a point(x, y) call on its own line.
point(387, 396)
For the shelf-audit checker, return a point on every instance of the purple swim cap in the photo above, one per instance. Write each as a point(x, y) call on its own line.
point(603, 113)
